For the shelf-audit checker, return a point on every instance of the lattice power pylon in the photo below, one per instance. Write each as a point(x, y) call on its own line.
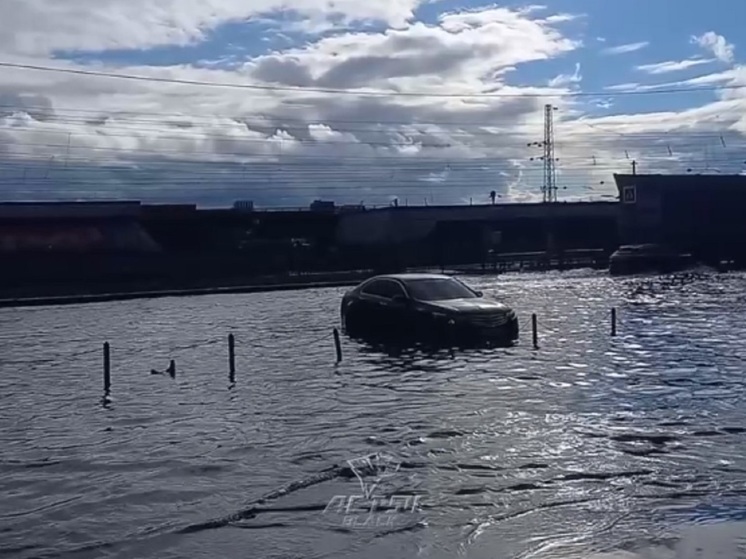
point(549, 188)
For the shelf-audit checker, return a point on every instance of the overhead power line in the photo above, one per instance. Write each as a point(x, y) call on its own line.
point(92, 139)
point(411, 133)
point(328, 166)
point(359, 93)
point(137, 115)
point(582, 155)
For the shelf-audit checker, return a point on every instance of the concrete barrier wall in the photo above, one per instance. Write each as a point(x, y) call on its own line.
point(22, 270)
point(409, 224)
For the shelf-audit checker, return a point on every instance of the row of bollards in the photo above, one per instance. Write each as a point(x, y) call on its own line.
point(231, 360)
point(337, 346)
point(535, 327)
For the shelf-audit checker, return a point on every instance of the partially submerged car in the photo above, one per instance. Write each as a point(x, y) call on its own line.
point(648, 258)
point(424, 306)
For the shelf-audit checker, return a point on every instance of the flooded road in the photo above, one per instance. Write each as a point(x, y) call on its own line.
point(591, 446)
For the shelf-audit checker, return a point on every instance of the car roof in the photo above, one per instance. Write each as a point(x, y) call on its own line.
point(412, 277)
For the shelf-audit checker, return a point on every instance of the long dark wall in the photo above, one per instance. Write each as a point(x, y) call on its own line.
point(588, 233)
point(196, 247)
point(228, 231)
point(469, 242)
point(29, 270)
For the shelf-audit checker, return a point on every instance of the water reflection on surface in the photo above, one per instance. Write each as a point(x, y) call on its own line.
point(592, 446)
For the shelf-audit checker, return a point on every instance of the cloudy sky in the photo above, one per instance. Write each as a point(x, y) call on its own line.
point(437, 101)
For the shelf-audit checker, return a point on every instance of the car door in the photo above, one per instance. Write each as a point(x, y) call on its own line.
point(371, 301)
point(378, 299)
point(400, 310)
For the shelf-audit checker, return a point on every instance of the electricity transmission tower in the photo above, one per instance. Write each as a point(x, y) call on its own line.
point(549, 188)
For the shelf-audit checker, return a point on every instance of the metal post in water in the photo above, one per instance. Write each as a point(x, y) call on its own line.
point(232, 355)
point(338, 345)
point(613, 321)
point(107, 368)
point(535, 330)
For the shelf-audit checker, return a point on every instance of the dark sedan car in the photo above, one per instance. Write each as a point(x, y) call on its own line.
point(424, 305)
point(649, 258)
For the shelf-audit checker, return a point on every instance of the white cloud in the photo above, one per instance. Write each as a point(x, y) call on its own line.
point(717, 45)
point(626, 48)
point(703, 81)
point(212, 145)
point(297, 141)
point(562, 18)
point(40, 27)
point(731, 82)
point(465, 51)
point(564, 80)
point(627, 86)
point(670, 66)
point(604, 103)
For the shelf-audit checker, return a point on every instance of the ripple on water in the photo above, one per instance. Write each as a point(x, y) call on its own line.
point(590, 444)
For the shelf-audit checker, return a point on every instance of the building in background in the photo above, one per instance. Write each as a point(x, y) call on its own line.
point(701, 214)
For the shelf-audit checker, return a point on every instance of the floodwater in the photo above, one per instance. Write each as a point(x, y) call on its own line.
point(621, 447)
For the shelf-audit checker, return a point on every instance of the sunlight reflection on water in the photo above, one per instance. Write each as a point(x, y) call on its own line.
point(630, 446)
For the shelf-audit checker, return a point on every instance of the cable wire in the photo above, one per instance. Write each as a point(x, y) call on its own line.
point(279, 88)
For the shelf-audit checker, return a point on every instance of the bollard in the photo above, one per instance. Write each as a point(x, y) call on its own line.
point(535, 331)
point(232, 355)
point(107, 368)
point(172, 369)
point(338, 345)
point(613, 321)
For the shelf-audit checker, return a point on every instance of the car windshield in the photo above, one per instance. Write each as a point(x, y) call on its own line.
point(439, 290)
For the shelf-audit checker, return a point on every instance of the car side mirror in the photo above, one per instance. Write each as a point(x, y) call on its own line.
point(479, 293)
point(401, 299)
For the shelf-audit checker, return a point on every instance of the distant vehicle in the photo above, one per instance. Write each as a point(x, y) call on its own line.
point(648, 258)
point(430, 306)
